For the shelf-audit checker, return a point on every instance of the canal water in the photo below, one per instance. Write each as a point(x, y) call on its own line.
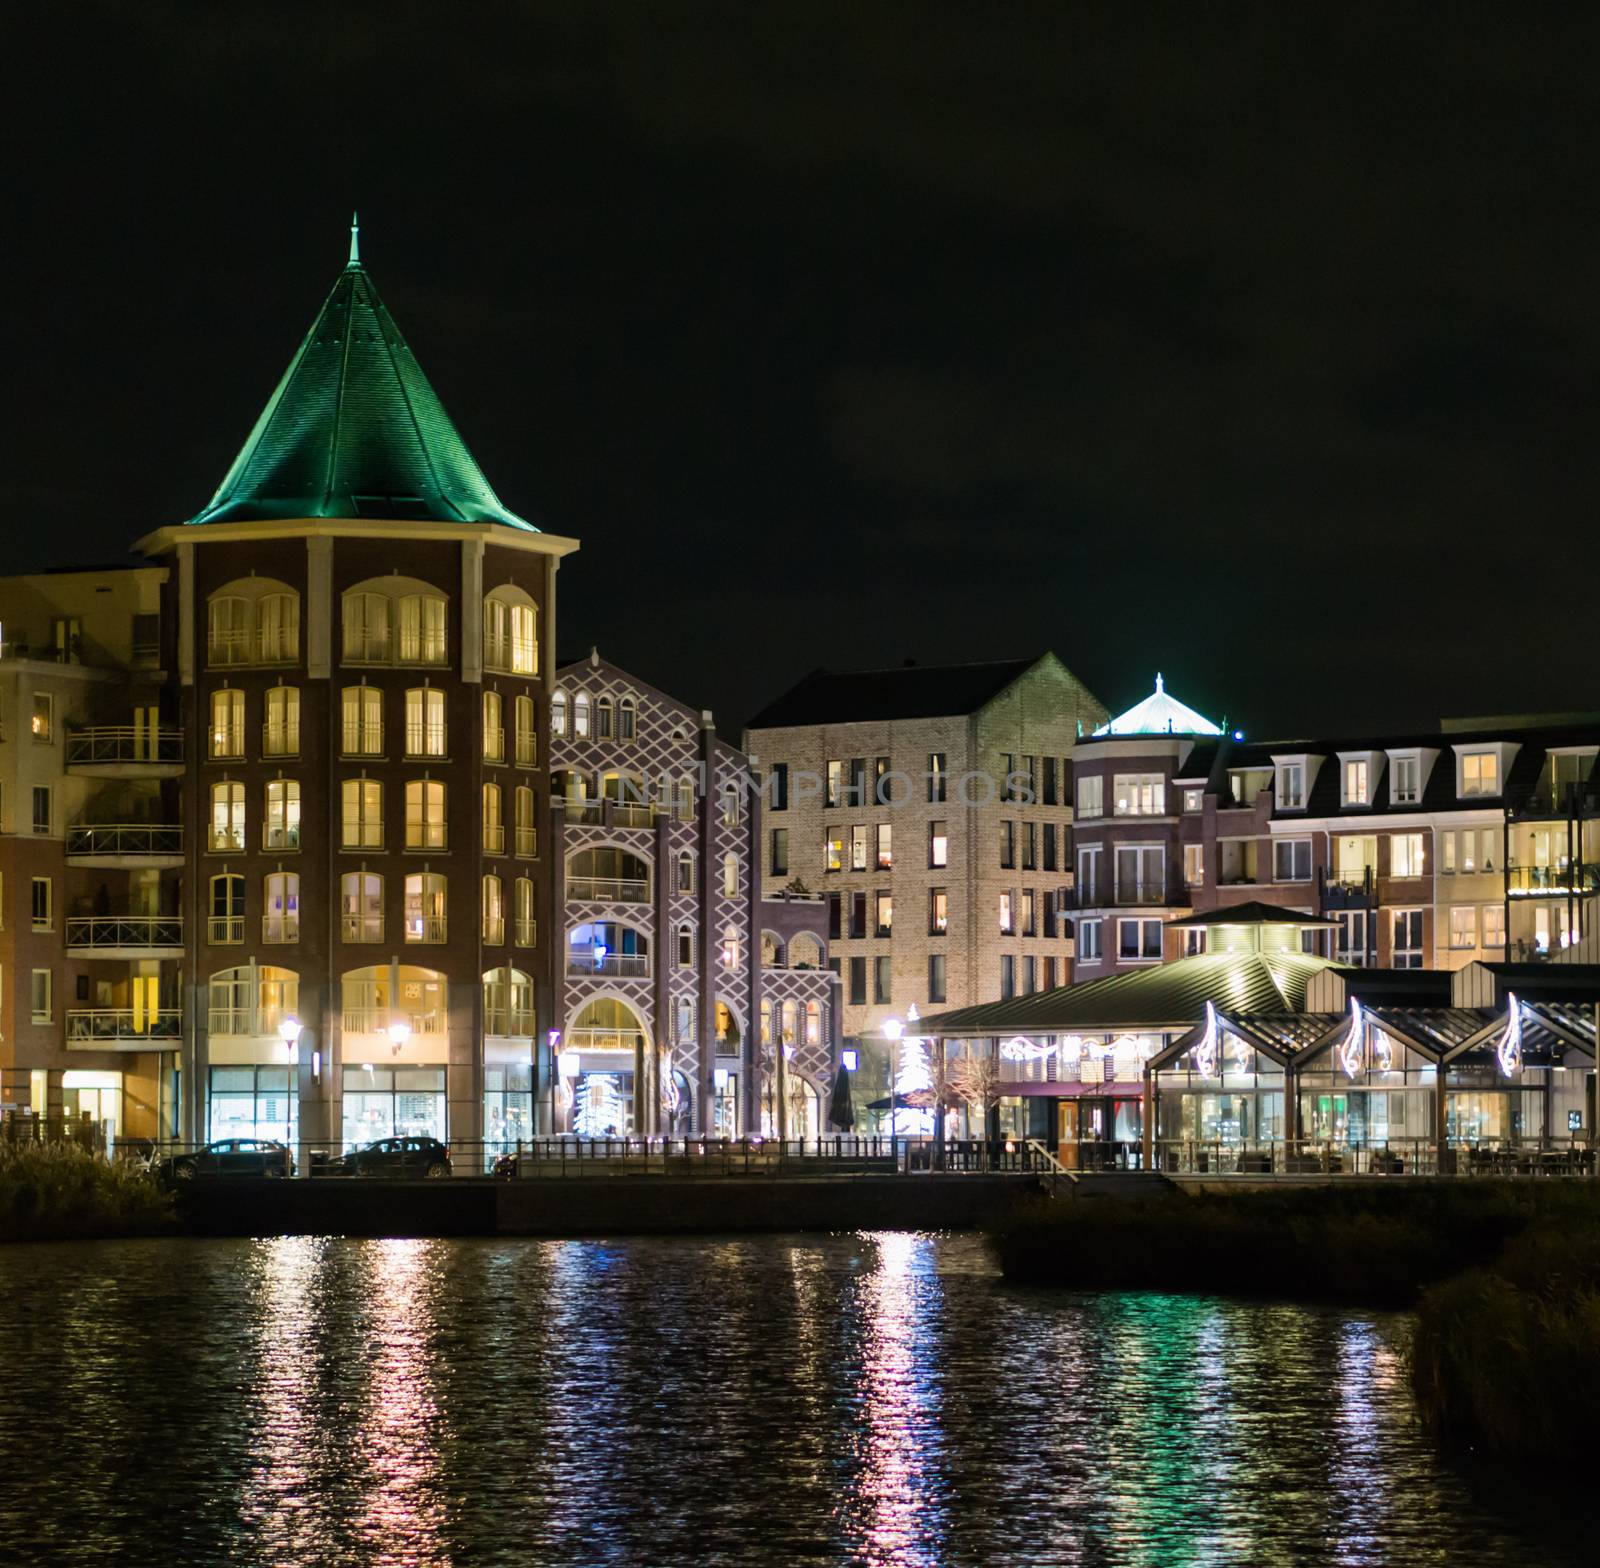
point(875, 1398)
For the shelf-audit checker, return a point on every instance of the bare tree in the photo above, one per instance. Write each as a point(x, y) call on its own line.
point(977, 1081)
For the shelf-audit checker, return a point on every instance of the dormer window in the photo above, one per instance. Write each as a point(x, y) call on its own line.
point(1480, 773)
point(1405, 781)
point(1357, 772)
point(1291, 786)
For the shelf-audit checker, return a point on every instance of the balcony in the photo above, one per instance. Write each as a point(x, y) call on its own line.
point(128, 845)
point(607, 890)
point(1578, 880)
point(583, 961)
point(611, 813)
point(1141, 893)
point(125, 936)
point(124, 751)
point(1350, 889)
point(629, 1040)
point(121, 1029)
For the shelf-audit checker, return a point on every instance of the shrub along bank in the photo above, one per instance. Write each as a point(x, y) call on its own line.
point(1378, 1245)
point(57, 1191)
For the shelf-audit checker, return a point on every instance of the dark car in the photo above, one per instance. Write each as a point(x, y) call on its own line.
point(399, 1157)
point(230, 1157)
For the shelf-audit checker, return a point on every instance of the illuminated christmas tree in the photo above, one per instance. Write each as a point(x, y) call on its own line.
point(914, 1082)
point(598, 1113)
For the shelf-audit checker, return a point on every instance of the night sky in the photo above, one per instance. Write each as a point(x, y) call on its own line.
point(1261, 352)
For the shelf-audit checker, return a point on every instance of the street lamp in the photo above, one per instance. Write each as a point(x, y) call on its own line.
point(399, 1033)
point(892, 1030)
point(289, 1032)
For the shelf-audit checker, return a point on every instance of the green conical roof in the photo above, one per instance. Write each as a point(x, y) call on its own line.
point(355, 430)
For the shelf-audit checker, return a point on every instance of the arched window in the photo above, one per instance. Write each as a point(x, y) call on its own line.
point(727, 1030)
point(805, 1106)
point(558, 712)
point(790, 1023)
point(604, 875)
point(527, 734)
point(282, 828)
point(226, 922)
point(373, 1000)
point(606, 1024)
point(362, 721)
point(280, 920)
point(805, 951)
point(683, 1022)
point(227, 816)
point(494, 729)
point(361, 906)
point(508, 1002)
point(730, 805)
point(627, 719)
point(813, 1023)
point(494, 911)
point(603, 715)
point(227, 723)
point(527, 843)
point(607, 947)
point(426, 907)
point(730, 948)
point(227, 630)
point(361, 814)
point(527, 929)
point(766, 1022)
point(510, 632)
point(686, 872)
point(425, 825)
point(771, 951)
point(494, 822)
point(686, 947)
point(280, 734)
point(366, 624)
point(425, 722)
point(422, 629)
point(278, 628)
point(580, 715)
point(683, 799)
point(730, 875)
point(252, 1000)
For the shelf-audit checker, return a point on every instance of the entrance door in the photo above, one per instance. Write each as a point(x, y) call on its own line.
point(1085, 1133)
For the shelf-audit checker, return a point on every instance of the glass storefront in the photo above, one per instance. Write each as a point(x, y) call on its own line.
point(393, 1102)
point(724, 1103)
point(507, 1106)
point(254, 1102)
point(602, 1104)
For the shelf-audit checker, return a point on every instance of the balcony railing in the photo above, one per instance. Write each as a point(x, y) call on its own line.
point(527, 844)
point(377, 1020)
point(615, 813)
point(426, 928)
point(106, 932)
point(494, 744)
point(1553, 881)
point(602, 1040)
point(108, 1025)
point(280, 740)
point(1141, 893)
point(608, 890)
point(124, 838)
point(580, 961)
point(494, 838)
point(123, 744)
point(499, 1021)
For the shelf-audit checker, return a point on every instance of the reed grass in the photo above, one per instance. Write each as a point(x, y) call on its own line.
point(51, 1191)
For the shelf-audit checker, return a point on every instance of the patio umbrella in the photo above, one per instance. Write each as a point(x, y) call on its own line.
point(841, 1109)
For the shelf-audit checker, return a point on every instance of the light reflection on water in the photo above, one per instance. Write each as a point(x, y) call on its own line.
point(878, 1399)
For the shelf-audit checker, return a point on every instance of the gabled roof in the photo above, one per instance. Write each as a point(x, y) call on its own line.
point(1252, 912)
point(1166, 996)
point(1160, 714)
point(355, 430)
point(911, 692)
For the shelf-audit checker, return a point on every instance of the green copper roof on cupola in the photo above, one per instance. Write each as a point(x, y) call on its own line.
point(355, 430)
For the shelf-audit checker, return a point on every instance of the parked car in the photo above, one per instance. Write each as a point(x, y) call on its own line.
point(399, 1157)
point(229, 1157)
point(508, 1167)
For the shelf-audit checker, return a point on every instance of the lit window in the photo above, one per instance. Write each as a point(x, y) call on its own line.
point(425, 820)
point(494, 825)
point(730, 875)
point(1480, 773)
point(1355, 782)
point(1291, 786)
point(361, 906)
point(283, 814)
point(494, 730)
point(425, 722)
point(527, 734)
point(362, 721)
point(1405, 781)
point(494, 911)
point(226, 922)
point(580, 715)
point(278, 628)
point(42, 723)
point(558, 713)
point(227, 723)
point(280, 921)
point(938, 844)
point(423, 629)
point(1464, 925)
point(227, 816)
point(1139, 794)
point(1091, 796)
point(1405, 855)
point(280, 736)
point(425, 907)
point(228, 631)
point(365, 619)
point(361, 814)
point(525, 926)
point(527, 844)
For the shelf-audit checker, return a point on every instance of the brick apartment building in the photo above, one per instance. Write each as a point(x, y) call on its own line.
point(931, 807)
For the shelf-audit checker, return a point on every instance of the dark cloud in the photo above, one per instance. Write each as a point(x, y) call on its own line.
point(1255, 344)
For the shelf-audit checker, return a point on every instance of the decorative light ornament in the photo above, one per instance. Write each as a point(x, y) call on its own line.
point(1204, 1055)
point(1243, 1055)
point(1510, 1051)
point(1350, 1046)
point(1021, 1049)
point(1071, 1049)
point(599, 1101)
point(1383, 1051)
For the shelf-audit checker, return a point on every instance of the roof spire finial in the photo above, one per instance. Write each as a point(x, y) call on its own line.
point(355, 239)
point(1159, 687)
